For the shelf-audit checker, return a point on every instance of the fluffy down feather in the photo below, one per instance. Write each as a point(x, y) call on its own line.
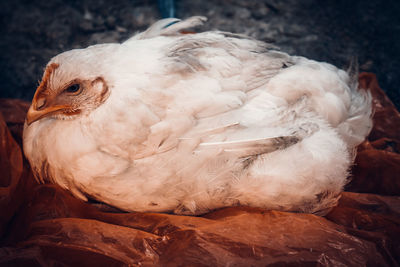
point(195, 122)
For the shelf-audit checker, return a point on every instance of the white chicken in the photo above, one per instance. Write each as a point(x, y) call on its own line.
point(188, 123)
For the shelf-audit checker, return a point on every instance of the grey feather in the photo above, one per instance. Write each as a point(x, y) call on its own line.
point(170, 26)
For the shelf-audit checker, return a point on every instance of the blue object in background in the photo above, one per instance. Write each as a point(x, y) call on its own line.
point(167, 8)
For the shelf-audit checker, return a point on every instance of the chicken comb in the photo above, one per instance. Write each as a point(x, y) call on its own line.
point(46, 77)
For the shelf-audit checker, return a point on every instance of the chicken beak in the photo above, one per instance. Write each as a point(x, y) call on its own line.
point(35, 115)
point(41, 107)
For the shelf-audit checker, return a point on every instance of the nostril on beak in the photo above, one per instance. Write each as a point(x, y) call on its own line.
point(40, 103)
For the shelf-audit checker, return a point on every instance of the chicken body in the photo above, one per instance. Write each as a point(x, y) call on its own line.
point(187, 123)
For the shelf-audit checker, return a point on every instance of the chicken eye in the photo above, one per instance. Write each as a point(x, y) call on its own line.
point(75, 88)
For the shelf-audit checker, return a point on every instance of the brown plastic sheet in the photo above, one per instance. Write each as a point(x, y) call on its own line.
point(43, 225)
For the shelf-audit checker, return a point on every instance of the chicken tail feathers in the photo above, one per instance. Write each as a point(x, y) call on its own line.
point(353, 72)
point(359, 123)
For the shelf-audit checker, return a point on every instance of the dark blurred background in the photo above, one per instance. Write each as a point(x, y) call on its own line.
point(333, 31)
